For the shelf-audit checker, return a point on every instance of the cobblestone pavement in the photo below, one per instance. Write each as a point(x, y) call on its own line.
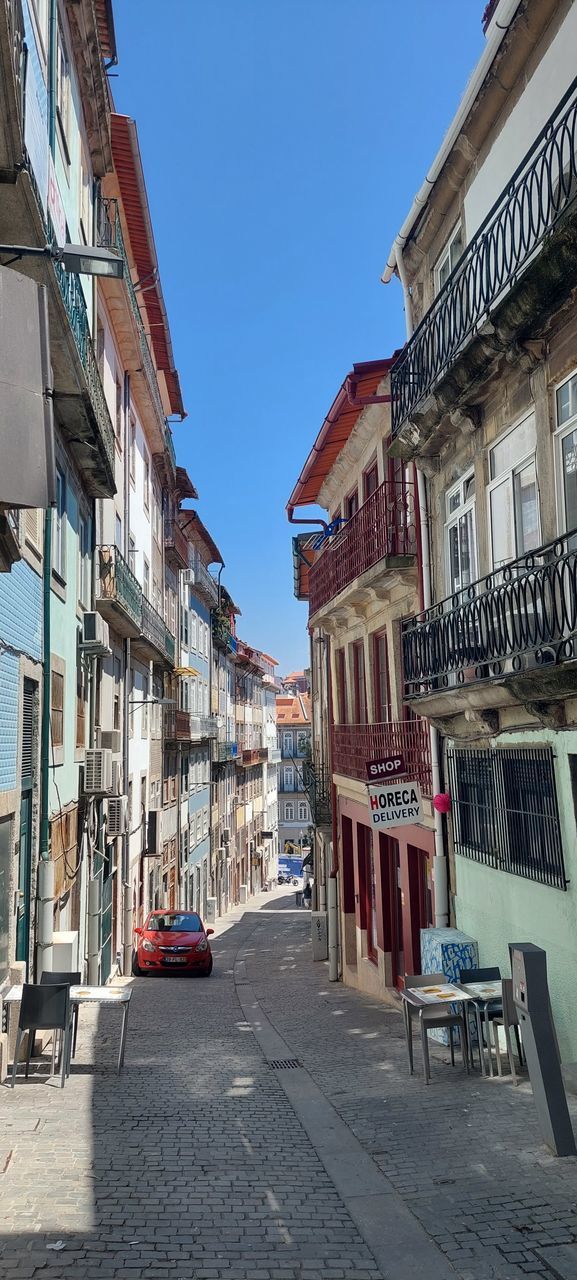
point(465, 1154)
point(194, 1163)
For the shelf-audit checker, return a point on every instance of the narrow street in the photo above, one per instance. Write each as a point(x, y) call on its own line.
point(204, 1160)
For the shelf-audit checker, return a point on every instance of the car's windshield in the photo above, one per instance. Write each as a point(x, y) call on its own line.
point(171, 921)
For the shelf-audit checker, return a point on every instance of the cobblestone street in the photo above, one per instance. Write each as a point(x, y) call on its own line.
point(204, 1160)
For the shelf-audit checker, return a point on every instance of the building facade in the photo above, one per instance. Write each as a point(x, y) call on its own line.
point(483, 402)
point(293, 721)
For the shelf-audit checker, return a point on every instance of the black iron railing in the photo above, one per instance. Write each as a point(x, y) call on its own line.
point(505, 811)
point(520, 616)
point(539, 192)
point(317, 782)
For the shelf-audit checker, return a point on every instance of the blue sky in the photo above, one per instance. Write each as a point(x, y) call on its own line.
point(283, 142)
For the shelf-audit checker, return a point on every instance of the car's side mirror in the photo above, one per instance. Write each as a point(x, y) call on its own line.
point(138, 930)
point(209, 932)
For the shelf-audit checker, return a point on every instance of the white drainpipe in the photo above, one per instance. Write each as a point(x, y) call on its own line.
point(440, 875)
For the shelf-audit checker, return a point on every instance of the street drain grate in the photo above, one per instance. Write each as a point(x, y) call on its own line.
point(284, 1064)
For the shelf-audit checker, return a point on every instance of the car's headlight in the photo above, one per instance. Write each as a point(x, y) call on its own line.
point(148, 946)
point(202, 946)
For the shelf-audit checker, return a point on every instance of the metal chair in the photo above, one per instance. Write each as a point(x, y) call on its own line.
point(43, 1008)
point(70, 979)
point(432, 1017)
point(486, 1012)
point(507, 1019)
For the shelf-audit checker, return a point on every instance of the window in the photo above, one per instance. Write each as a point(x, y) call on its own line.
point(287, 744)
point(460, 545)
point(100, 349)
point(145, 698)
point(289, 811)
point(184, 765)
point(381, 683)
point(132, 448)
point(303, 811)
point(351, 504)
point(118, 411)
point(41, 16)
point(57, 708)
point(288, 778)
point(505, 811)
point(341, 673)
point(117, 674)
point(513, 497)
point(132, 553)
point(449, 258)
point(118, 532)
point(359, 682)
point(566, 443)
point(193, 631)
point(146, 577)
point(63, 89)
point(370, 481)
point(59, 526)
point(199, 826)
point(83, 562)
point(146, 492)
point(205, 821)
point(85, 199)
point(81, 703)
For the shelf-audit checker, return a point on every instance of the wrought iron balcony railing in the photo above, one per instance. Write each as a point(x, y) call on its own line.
point(154, 630)
point(221, 633)
point(224, 751)
point(202, 581)
point(520, 617)
point(117, 587)
point(203, 727)
point(528, 209)
point(317, 784)
point(382, 528)
point(355, 744)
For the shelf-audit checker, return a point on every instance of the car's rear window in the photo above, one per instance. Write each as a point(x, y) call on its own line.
point(176, 921)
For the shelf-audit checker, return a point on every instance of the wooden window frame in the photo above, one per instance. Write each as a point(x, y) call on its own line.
point(371, 471)
point(359, 682)
point(341, 683)
point(378, 707)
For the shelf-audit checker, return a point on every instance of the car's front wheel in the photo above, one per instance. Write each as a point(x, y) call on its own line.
point(207, 972)
point(137, 971)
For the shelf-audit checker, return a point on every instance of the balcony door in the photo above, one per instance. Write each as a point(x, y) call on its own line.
point(513, 494)
point(566, 459)
point(460, 535)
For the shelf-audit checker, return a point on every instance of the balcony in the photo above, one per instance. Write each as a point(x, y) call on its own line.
point(251, 756)
point(518, 267)
point(381, 537)
point(224, 751)
point(248, 659)
point(204, 586)
point(202, 727)
point(515, 629)
point(118, 593)
point(175, 544)
point(222, 635)
point(176, 725)
point(317, 783)
point(355, 744)
point(155, 640)
point(274, 755)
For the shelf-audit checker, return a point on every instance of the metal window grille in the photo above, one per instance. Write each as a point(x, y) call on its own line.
point(505, 812)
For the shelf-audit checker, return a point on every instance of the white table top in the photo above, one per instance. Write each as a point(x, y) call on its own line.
point(82, 995)
point(438, 993)
point(485, 990)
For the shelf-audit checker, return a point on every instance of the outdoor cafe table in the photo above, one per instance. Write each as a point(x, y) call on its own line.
point(437, 995)
point(484, 993)
point(103, 996)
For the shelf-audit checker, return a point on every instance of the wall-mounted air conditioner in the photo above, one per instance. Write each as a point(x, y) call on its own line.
point(116, 815)
point(226, 836)
point(111, 739)
point(95, 636)
point(97, 771)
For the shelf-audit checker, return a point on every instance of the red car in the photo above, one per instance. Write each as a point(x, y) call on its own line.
point(173, 940)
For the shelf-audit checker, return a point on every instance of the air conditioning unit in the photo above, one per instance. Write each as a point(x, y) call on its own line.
point(226, 836)
point(97, 771)
point(95, 636)
point(111, 739)
point(116, 815)
point(188, 577)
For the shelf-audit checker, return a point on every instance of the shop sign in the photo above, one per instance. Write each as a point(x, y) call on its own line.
point(395, 805)
point(386, 767)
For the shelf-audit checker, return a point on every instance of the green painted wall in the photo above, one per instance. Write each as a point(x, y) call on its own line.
point(496, 908)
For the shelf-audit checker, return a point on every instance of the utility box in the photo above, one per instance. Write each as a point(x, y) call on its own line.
point(65, 952)
point(210, 914)
point(243, 894)
point(319, 935)
point(533, 1005)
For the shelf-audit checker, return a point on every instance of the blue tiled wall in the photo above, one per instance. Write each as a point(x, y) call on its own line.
point(20, 631)
point(9, 680)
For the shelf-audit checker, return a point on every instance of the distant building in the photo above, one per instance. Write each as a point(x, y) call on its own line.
point(293, 719)
point(297, 682)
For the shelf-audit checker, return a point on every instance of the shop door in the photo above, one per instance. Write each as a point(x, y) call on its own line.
point(420, 902)
point(392, 906)
point(25, 833)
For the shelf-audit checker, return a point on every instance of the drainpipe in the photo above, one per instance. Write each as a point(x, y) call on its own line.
point(440, 871)
point(45, 884)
